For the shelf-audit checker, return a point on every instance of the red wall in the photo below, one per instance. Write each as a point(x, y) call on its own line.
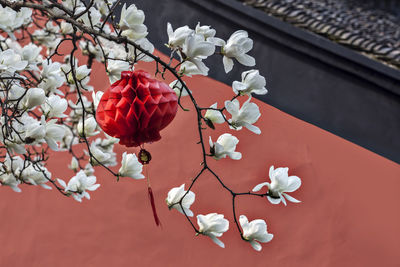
point(349, 215)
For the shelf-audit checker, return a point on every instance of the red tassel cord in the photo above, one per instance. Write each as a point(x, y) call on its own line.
point(144, 158)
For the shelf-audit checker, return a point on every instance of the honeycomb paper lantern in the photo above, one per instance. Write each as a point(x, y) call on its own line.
point(136, 108)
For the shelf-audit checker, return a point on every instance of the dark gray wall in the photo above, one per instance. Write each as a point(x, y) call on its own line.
point(308, 76)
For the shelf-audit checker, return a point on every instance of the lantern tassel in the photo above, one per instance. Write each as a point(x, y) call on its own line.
point(153, 206)
point(151, 198)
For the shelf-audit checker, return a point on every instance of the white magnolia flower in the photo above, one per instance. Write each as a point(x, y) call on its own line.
point(90, 127)
point(102, 155)
point(55, 106)
point(94, 18)
point(11, 20)
point(96, 96)
point(9, 170)
point(213, 225)
point(130, 167)
point(281, 183)
point(103, 6)
point(146, 45)
point(215, 116)
point(11, 62)
point(35, 131)
point(8, 179)
point(31, 53)
point(178, 88)
point(225, 146)
point(54, 133)
point(66, 28)
point(131, 23)
point(15, 92)
point(188, 68)
point(252, 82)
point(254, 231)
point(79, 184)
point(81, 74)
point(74, 165)
point(52, 77)
point(195, 49)
point(36, 176)
point(236, 47)
point(114, 69)
point(244, 116)
point(175, 195)
point(177, 38)
point(205, 30)
point(33, 97)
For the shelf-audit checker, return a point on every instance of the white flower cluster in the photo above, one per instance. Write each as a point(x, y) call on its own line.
point(194, 46)
point(214, 225)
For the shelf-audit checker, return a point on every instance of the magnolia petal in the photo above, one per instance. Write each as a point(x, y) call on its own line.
point(255, 245)
point(246, 60)
point(252, 128)
point(235, 155)
point(294, 183)
point(62, 183)
point(259, 186)
point(283, 199)
point(228, 64)
point(290, 198)
point(188, 212)
point(265, 238)
point(217, 241)
point(45, 186)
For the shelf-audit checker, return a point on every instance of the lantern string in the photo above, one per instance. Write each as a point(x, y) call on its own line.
point(151, 197)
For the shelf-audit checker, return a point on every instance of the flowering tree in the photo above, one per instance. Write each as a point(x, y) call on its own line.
point(46, 107)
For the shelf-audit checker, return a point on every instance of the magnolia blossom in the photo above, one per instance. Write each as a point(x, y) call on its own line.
point(131, 23)
point(8, 179)
point(213, 225)
point(252, 82)
point(33, 97)
point(11, 62)
point(175, 195)
point(36, 176)
point(114, 69)
point(54, 133)
point(225, 146)
point(195, 49)
point(177, 38)
point(188, 68)
point(281, 183)
point(74, 165)
point(55, 106)
point(96, 96)
point(93, 19)
point(52, 77)
point(254, 231)
point(90, 127)
point(102, 154)
point(66, 28)
point(206, 31)
point(244, 116)
point(79, 184)
point(236, 47)
point(215, 116)
point(178, 88)
point(31, 53)
point(130, 167)
point(11, 20)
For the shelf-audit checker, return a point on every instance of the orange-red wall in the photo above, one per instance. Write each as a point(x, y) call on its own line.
point(349, 215)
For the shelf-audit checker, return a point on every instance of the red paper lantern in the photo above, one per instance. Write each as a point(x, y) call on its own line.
point(135, 108)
